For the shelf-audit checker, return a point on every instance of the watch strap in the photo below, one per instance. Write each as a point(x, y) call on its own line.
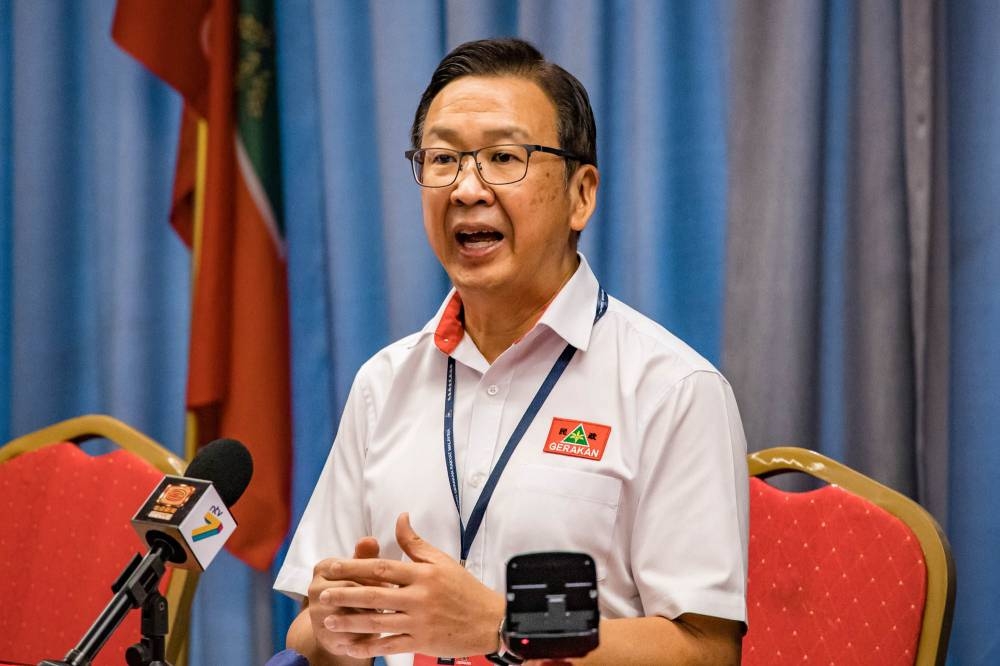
point(504, 656)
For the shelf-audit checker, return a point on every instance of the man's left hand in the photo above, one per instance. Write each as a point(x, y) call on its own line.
point(436, 607)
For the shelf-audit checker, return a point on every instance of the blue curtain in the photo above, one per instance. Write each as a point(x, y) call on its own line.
point(94, 283)
point(974, 528)
point(6, 213)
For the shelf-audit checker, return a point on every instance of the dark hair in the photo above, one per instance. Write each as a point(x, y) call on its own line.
point(516, 57)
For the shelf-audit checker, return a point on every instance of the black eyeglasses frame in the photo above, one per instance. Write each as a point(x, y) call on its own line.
point(529, 147)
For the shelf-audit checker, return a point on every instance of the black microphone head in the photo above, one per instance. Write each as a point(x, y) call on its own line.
point(225, 463)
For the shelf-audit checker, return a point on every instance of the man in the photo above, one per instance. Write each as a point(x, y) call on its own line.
point(532, 413)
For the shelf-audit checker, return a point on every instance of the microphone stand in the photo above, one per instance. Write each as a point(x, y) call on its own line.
point(136, 587)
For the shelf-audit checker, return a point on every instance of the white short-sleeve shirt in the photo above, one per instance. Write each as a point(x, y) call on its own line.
point(662, 506)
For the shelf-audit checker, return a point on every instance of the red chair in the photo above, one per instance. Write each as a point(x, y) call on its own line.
point(850, 573)
point(65, 536)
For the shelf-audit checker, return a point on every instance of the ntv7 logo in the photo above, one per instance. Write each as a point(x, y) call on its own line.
point(211, 527)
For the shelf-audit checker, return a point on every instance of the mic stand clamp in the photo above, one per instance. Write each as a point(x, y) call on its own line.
point(151, 650)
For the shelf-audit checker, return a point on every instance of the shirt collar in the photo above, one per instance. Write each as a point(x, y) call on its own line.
point(570, 314)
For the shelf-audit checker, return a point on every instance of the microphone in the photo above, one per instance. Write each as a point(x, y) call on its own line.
point(185, 521)
point(187, 518)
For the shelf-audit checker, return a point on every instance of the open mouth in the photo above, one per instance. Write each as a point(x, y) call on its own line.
point(479, 239)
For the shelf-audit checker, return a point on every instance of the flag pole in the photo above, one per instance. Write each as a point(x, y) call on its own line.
point(201, 169)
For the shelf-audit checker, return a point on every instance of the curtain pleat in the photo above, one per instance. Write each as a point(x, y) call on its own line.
point(772, 332)
point(829, 263)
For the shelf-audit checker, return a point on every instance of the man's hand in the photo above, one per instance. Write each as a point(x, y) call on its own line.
point(431, 605)
point(320, 606)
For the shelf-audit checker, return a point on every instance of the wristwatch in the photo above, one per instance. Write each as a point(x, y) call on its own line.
point(504, 656)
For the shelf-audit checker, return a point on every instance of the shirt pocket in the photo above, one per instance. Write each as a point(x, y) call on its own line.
point(564, 509)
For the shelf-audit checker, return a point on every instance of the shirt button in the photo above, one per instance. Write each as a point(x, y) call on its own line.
point(493, 389)
point(477, 479)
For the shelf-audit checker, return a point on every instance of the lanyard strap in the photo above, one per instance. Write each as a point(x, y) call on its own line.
point(468, 532)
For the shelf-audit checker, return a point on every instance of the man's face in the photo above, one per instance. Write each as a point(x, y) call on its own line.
point(512, 240)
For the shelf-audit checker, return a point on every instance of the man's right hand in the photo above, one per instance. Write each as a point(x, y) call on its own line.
point(320, 608)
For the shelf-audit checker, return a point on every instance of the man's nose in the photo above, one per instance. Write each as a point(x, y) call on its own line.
point(470, 188)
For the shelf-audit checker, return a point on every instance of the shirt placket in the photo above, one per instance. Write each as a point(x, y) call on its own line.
point(483, 445)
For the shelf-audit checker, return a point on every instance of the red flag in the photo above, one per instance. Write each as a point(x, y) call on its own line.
point(220, 57)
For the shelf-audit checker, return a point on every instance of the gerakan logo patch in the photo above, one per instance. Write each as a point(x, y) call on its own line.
point(580, 439)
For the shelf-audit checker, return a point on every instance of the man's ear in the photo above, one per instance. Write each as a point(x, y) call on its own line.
point(583, 195)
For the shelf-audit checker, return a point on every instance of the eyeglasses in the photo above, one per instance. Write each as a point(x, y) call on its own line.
point(497, 165)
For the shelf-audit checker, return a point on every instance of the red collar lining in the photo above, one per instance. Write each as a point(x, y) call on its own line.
point(450, 329)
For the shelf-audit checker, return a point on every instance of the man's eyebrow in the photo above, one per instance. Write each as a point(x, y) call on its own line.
point(451, 135)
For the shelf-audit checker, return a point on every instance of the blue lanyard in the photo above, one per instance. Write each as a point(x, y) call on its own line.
point(468, 532)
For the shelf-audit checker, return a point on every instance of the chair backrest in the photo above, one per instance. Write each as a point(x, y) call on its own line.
point(65, 536)
point(852, 572)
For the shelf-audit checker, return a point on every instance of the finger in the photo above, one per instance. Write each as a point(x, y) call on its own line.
point(339, 643)
point(384, 645)
point(378, 570)
point(367, 597)
point(368, 622)
point(325, 598)
point(415, 547)
point(367, 547)
point(321, 581)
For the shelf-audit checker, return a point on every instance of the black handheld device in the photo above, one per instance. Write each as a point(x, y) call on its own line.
point(551, 605)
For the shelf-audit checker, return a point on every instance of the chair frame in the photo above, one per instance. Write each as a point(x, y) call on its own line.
point(932, 647)
point(183, 582)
